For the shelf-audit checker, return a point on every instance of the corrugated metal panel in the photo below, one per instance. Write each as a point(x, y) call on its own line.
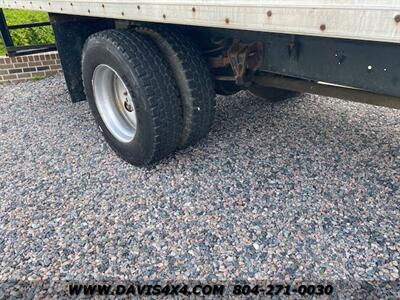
point(352, 19)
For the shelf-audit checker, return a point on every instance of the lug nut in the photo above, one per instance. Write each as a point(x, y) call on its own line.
point(128, 107)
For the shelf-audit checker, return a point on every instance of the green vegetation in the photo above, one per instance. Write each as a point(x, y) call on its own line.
point(37, 78)
point(28, 36)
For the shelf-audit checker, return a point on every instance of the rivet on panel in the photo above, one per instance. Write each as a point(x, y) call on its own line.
point(227, 20)
point(322, 27)
point(269, 13)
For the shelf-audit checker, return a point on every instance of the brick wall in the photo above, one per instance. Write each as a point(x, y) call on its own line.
point(27, 67)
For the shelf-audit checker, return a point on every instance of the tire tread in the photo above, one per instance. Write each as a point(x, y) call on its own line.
point(193, 78)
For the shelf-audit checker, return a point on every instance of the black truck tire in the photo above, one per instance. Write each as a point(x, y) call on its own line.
point(133, 95)
point(193, 79)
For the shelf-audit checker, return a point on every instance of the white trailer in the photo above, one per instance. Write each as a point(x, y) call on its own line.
point(150, 68)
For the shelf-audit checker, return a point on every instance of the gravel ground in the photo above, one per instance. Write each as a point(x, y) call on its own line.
point(303, 190)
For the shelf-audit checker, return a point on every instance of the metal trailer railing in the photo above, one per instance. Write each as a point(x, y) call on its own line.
point(14, 50)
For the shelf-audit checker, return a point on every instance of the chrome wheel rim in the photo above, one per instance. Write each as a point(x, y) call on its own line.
point(114, 103)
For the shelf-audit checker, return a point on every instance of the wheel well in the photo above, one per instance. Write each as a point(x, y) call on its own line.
point(71, 33)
